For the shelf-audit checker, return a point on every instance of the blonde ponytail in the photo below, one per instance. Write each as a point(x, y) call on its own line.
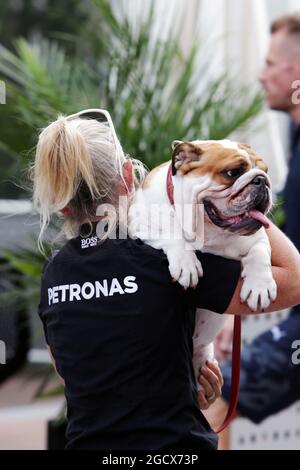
point(78, 163)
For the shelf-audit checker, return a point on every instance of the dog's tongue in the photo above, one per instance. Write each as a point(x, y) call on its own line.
point(260, 217)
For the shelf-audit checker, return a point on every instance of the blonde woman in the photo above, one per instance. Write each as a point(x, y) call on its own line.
point(119, 331)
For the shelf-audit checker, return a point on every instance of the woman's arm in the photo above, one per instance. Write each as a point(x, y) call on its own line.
point(286, 273)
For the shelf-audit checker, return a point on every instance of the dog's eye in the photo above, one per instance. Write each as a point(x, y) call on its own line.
point(233, 173)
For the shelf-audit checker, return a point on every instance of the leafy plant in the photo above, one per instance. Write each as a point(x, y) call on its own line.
point(16, 299)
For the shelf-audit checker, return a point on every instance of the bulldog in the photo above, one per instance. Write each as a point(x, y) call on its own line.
point(213, 196)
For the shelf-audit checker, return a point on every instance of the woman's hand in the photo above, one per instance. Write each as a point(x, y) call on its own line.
point(211, 382)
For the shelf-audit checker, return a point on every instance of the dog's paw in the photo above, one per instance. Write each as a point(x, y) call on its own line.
point(184, 267)
point(258, 291)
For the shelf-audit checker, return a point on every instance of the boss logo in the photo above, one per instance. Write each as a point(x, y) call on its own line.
point(87, 242)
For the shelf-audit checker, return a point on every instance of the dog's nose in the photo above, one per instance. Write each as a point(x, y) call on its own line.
point(259, 181)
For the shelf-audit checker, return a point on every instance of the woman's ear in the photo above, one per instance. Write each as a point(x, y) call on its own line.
point(128, 177)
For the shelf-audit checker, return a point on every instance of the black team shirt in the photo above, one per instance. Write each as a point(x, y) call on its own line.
point(121, 333)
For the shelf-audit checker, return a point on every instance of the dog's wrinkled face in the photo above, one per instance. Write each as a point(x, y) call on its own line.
point(241, 193)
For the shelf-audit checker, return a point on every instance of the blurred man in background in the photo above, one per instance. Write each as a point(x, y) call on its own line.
point(270, 381)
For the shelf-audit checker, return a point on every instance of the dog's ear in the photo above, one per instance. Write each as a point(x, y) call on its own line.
point(257, 159)
point(183, 154)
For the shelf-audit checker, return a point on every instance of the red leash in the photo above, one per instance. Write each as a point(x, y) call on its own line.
point(236, 348)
